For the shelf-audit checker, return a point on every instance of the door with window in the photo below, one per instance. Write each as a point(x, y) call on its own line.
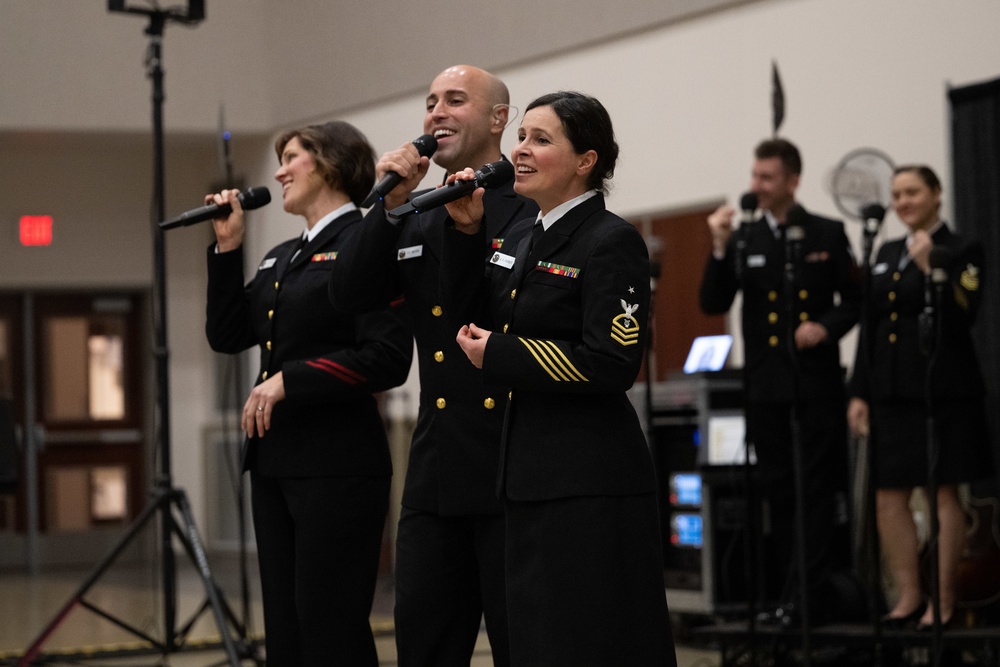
point(72, 375)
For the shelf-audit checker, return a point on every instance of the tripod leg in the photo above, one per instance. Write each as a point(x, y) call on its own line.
point(211, 590)
point(149, 512)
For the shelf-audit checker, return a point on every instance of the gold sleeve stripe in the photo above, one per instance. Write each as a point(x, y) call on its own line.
point(553, 361)
point(566, 363)
point(551, 354)
point(539, 360)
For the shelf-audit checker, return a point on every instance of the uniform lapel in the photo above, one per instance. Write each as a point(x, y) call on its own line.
point(555, 237)
point(330, 232)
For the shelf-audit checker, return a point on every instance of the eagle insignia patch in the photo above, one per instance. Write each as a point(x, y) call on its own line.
point(624, 328)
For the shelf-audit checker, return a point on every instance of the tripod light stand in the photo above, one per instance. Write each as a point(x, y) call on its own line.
point(168, 503)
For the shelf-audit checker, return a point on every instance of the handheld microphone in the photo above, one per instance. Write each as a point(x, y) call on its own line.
point(250, 199)
point(426, 145)
point(489, 176)
point(872, 215)
point(748, 206)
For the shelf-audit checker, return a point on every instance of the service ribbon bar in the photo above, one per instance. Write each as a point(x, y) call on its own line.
point(558, 269)
point(324, 256)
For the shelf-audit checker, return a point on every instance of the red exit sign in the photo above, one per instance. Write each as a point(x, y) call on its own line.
point(36, 230)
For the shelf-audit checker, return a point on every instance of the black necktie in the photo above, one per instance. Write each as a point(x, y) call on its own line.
point(536, 233)
point(298, 246)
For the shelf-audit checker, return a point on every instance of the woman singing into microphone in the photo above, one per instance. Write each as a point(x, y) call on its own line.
point(888, 390)
point(560, 321)
point(316, 445)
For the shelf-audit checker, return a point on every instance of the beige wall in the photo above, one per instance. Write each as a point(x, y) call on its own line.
point(689, 100)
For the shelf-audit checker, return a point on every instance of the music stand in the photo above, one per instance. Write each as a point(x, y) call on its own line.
point(166, 498)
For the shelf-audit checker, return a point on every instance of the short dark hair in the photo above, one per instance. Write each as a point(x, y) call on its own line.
point(782, 149)
point(342, 153)
point(925, 173)
point(588, 127)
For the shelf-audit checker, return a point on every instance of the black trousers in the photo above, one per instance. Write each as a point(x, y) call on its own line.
point(449, 574)
point(824, 463)
point(318, 543)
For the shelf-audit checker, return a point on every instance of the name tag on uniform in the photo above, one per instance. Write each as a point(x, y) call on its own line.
point(500, 259)
point(412, 252)
point(756, 261)
point(880, 268)
point(267, 263)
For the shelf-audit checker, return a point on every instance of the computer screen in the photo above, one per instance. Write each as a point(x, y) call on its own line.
point(708, 353)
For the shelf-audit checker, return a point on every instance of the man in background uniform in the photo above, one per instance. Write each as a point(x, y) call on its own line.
point(792, 358)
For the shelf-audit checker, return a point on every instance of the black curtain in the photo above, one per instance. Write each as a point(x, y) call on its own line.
point(975, 130)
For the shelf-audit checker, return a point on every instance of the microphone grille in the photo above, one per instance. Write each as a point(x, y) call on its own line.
point(748, 202)
point(940, 257)
point(873, 212)
point(426, 145)
point(252, 198)
point(495, 174)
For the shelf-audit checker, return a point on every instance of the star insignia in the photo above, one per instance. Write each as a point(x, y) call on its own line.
point(631, 290)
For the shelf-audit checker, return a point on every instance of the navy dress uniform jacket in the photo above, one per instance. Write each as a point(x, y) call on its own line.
point(454, 453)
point(895, 367)
point(826, 270)
point(568, 321)
point(331, 363)
point(569, 330)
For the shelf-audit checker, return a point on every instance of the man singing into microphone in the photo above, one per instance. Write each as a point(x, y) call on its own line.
point(791, 328)
point(450, 542)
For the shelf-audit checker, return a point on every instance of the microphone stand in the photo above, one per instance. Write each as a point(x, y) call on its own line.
point(166, 497)
point(793, 239)
point(248, 647)
point(873, 551)
point(752, 539)
point(931, 328)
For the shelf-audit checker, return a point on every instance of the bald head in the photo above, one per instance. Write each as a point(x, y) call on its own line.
point(466, 111)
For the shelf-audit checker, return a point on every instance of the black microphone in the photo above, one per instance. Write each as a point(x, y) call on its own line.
point(426, 145)
point(491, 175)
point(794, 233)
point(748, 206)
point(250, 199)
point(872, 215)
point(940, 260)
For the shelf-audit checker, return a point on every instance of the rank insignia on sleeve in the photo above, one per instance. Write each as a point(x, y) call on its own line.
point(324, 257)
point(552, 360)
point(624, 328)
point(970, 278)
point(558, 269)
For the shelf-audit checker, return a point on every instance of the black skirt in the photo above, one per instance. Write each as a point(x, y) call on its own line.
point(585, 583)
point(899, 436)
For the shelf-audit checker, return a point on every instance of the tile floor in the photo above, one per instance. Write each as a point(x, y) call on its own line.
point(131, 592)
